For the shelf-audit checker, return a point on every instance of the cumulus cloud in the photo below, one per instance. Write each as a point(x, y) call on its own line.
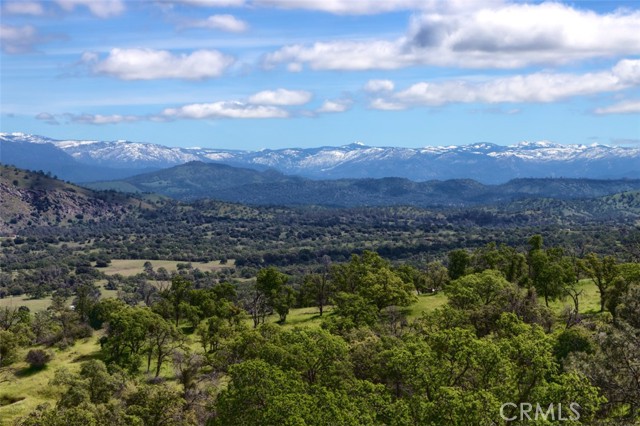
point(281, 97)
point(23, 8)
point(343, 55)
point(224, 109)
point(227, 23)
point(537, 87)
point(379, 86)
point(99, 8)
point(149, 64)
point(494, 35)
point(626, 107)
point(340, 105)
point(18, 39)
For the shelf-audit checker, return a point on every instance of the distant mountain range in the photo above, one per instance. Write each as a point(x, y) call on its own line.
point(197, 180)
point(83, 161)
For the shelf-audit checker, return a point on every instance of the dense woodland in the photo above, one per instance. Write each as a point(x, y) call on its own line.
point(198, 346)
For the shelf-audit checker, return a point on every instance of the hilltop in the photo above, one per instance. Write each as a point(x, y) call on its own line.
point(36, 199)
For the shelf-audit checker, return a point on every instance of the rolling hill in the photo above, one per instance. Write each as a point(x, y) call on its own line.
point(35, 199)
point(197, 180)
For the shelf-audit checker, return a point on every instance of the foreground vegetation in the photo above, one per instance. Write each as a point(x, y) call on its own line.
point(221, 314)
point(378, 343)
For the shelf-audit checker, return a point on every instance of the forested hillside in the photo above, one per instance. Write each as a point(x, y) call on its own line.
point(31, 199)
point(196, 180)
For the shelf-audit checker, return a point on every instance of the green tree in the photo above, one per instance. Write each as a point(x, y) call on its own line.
point(459, 262)
point(262, 394)
point(162, 338)
point(603, 272)
point(550, 272)
point(317, 287)
point(177, 296)
point(8, 348)
point(372, 278)
point(271, 292)
point(436, 276)
point(158, 405)
point(127, 336)
point(87, 295)
point(283, 301)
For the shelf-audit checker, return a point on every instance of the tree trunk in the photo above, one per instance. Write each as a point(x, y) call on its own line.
point(159, 365)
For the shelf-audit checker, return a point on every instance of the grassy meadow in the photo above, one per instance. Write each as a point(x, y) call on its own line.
point(130, 267)
point(31, 387)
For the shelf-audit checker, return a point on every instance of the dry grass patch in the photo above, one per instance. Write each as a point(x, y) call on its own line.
point(130, 267)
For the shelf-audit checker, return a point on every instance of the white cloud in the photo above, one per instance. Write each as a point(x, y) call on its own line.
point(220, 22)
point(343, 55)
point(492, 35)
point(99, 119)
point(345, 7)
point(537, 87)
point(340, 105)
point(386, 105)
point(281, 97)
point(227, 23)
point(224, 109)
point(379, 86)
point(516, 35)
point(47, 118)
point(210, 3)
point(626, 107)
point(99, 8)
point(149, 64)
point(18, 39)
point(23, 8)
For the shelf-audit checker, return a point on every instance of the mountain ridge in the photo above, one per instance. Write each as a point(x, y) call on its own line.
point(483, 161)
point(198, 180)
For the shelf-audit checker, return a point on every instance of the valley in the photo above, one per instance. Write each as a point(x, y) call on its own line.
point(163, 296)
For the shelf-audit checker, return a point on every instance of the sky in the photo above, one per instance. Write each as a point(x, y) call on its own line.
point(256, 74)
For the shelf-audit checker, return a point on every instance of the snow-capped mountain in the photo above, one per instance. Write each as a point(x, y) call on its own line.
point(485, 162)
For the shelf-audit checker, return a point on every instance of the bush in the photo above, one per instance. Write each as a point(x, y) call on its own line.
point(37, 358)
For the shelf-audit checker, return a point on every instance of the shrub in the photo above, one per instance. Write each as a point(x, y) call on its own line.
point(38, 358)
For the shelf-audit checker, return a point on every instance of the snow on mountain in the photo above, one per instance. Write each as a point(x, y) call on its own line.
point(486, 162)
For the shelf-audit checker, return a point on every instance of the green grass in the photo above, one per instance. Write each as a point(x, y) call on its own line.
point(310, 317)
point(34, 305)
point(18, 382)
point(589, 299)
point(37, 305)
point(426, 303)
point(302, 317)
point(130, 267)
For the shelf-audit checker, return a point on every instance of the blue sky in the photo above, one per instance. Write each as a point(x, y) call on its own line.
point(253, 74)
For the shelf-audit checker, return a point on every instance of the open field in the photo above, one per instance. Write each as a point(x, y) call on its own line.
point(19, 382)
point(34, 305)
point(426, 303)
point(37, 305)
point(589, 299)
point(130, 267)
